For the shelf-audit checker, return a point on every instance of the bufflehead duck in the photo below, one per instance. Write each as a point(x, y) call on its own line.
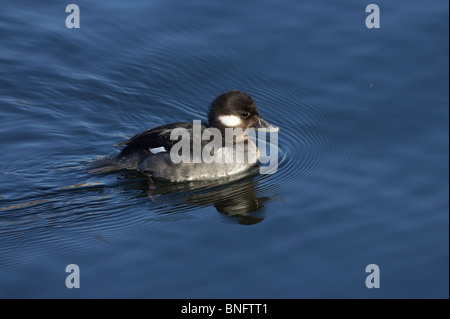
point(150, 151)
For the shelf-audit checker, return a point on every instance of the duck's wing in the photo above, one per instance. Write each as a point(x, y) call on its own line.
point(156, 137)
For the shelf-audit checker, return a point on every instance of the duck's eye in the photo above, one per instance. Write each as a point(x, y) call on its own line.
point(245, 114)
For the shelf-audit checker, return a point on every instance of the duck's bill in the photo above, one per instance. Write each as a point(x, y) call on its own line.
point(262, 124)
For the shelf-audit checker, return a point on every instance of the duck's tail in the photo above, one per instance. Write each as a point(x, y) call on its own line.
point(126, 160)
point(106, 165)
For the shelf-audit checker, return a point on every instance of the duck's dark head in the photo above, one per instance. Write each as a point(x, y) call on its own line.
point(236, 109)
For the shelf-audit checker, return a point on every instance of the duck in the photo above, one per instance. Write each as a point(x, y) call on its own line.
point(207, 150)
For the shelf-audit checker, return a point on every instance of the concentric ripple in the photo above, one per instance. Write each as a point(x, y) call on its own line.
point(313, 146)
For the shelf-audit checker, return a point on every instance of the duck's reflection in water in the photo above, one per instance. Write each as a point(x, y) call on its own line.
point(239, 197)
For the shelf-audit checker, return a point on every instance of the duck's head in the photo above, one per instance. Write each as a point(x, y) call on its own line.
point(235, 109)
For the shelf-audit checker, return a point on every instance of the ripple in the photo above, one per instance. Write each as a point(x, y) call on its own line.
point(24, 204)
point(314, 143)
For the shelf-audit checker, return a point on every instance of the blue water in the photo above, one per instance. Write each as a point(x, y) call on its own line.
point(363, 175)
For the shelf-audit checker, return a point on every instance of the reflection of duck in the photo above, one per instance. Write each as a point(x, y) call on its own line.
point(236, 198)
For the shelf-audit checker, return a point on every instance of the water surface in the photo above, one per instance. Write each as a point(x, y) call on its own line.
point(363, 150)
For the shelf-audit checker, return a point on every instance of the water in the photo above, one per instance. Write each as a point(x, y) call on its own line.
point(363, 150)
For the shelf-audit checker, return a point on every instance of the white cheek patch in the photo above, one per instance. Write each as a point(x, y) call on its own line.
point(230, 120)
